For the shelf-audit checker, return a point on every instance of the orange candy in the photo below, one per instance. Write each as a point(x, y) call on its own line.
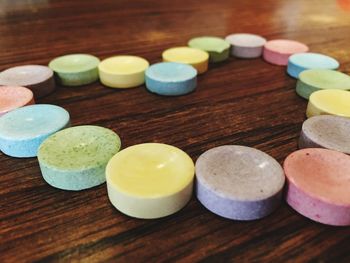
point(14, 97)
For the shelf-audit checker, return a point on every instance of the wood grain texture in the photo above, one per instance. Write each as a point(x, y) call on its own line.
point(246, 102)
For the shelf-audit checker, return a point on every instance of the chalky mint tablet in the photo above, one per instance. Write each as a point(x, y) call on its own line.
point(326, 131)
point(150, 180)
point(278, 51)
point(75, 69)
point(14, 97)
point(218, 48)
point(329, 101)
point(297, 63)
point(318, 183)
point(123, 71)
point(195, 57)
point(246, 45)
point(24, 129)
point(312, 80)
point(239, 182)
point(171, 79)
point(76, 158)
point(39, 79)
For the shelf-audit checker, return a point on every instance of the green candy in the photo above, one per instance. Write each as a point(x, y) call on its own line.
point(75, 69)
point(218, 48)
point(318, 79)
point(76, 158)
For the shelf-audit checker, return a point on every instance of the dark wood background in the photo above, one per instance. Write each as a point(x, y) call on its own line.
point(247, 102)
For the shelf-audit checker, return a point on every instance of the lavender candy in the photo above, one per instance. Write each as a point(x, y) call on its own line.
point(239, 182)
point(326, 131)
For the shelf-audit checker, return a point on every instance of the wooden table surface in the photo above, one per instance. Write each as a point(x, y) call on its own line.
point(246, 102)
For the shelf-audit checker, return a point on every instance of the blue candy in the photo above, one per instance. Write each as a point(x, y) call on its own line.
point(24, 129)
point(302, 61)
point(171, 79)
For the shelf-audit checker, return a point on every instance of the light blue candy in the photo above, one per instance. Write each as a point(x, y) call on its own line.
point(24, 129)
point(171, 79)
point(302, 61)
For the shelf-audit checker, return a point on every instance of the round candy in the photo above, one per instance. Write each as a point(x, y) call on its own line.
point(171, 79)
point(246, 45)
point(14, 97)
point(278, 51)
point(326, 131)
point(24, 129)
point(318, 185)
point(218, 48)
point(75, 69)
point(297, 63)
point(329, 101)
point(195, 57)
point(123, 71)
point(150, 180)
point(39, 79)
point(76, 158)
point(318, 79)
point(239, 182)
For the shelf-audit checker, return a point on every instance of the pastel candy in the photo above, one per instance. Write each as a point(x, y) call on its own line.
point(75, 69)
point(76, 158)
point(297, 63)
point(39, 79)
point(329, 101)
point(218, 48)
point(14, 97)
point(192, 56)
point(246, 45)
point(171, 79)
point(326, 131)
point(278, 51)
point(123, 71)
point(318, 183)
point(318, 79)
point(150, 180)
point(24, 129)
point(239, 182)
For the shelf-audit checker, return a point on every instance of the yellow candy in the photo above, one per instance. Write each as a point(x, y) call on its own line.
point(192, 56)
point(123, 71)
point(329, 101)
point(150, 180)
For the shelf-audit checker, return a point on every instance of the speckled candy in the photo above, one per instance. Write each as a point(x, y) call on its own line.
point(239, 182)
point(297, 63)
point(24, 129)
point(171, 79)
point(278, 51)
point(318, 183)
point(326, 131)
point(14, 97)
point(76, 158)
point(39, 79)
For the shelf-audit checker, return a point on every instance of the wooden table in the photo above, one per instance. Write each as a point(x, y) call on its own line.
point(247, 102)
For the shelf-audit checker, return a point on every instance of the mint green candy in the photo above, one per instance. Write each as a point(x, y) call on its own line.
point(318, 79)
point(218, 48)
point(76, 158)
point(75, 69)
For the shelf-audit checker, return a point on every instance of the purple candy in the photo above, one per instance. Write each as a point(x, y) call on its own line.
point(246, 45)
point(239, 182)
point(326, 131)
